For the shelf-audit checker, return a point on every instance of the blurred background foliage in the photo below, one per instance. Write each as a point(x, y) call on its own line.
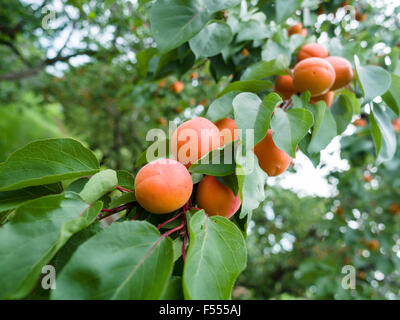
point(94, 74)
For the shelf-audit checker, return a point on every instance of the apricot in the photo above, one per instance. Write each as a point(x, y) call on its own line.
point(228, 130)
point(162, 121)
point(271, 159)
point(297, 29)
point(360, 17)
point(193, 139)
point(245, 52)
point(313, 74)
point(396, 125)
point(372, 245)
point(163, 186)
point(327, 97)
point(367, 177)
point(216, 199)
point(394, 209)
point(284, 86)
point(360, 122)
point(343, 71)
point(177, 86)
point(194, 75)
point(311, 50)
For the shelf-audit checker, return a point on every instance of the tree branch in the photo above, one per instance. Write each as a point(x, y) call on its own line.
point(36, 69)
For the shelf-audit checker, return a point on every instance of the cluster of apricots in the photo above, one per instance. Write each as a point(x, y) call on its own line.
point(316, 72)
point(165, 185)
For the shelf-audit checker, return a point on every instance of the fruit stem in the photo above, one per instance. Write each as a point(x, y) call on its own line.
point(169, 220)
point(122, 189)
point(137, 214)
point(166, 234)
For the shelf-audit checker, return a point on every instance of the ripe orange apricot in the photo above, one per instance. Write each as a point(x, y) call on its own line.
point(245, 52)
point(394, 209)
point(228, 130)
point(163, 186)
point(396, 125)
point(327, 97)
point(360, 17)
point(313, 74)
point(193, 139)
point(360, 122)
point(216, 199)
point(297, 29)
point(343, 71)
point(310, 50)
point(284, 86)
point(177, 86)
point(372, 245)
point(271, 159)
point(162, 121)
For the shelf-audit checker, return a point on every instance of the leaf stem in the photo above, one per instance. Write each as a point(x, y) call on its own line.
point(122, 189)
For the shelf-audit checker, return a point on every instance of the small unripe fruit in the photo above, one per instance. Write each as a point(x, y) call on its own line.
point(271, 159)
point(327, 97)
point(228, 130)
point(284, 86)
point(313, 74)
point(163, 186)
point(177, 86)
point(193, 139)
point(343, 71)
point(311, 50)
point(216, 199)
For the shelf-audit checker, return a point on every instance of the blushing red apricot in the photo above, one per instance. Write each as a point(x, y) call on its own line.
point(311, 50)
point(163, 186)
point(343, 71)
point(284, 86)
point(327, 97)
point(193, 139)
point(315, 75)
point(216, 199)
point(271, 159)
point(228, 130)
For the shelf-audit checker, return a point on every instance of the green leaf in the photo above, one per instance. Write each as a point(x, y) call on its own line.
point(33, 236)
point(46, 162)
point(214, 6)
point(251, 181)
point(253, 114)
point(143, 59)
point(211, 39)
point(12, 199)
point(324, 129)
point(174, 22)
point(382, 133)
point(216, 256)
point(264, 69)
point(374, 81)
point(247, 85)
point(174, 289)
point(315, 158)
point(222, 107)
point(290, 127)
point(253, 30)
point(158, 149)
point(135, 263)
point(272, 50)
point(392, 96)
point(217, 162)
point(343, 108)
point(125, 198)
point(230, 181)
point(126, 179)
point(285, 9)
point(98, 185)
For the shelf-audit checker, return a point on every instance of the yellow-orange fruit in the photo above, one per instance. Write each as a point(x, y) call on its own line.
point(245, 52)
point(284, 86)
point(177, 86)
point(343, 71)
point(228, 130)
point(360, 17)
point(162, 121)
point(396, 125)
point(194, 75)
point(271, 159)
point(216, 199)
point(296, 28)
point(394, 209)
point(163, 186)
point(360, 122)
point(327, 97)
point(311, 50)
point(313, 74)
point(193, 139)
point(372, 245)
